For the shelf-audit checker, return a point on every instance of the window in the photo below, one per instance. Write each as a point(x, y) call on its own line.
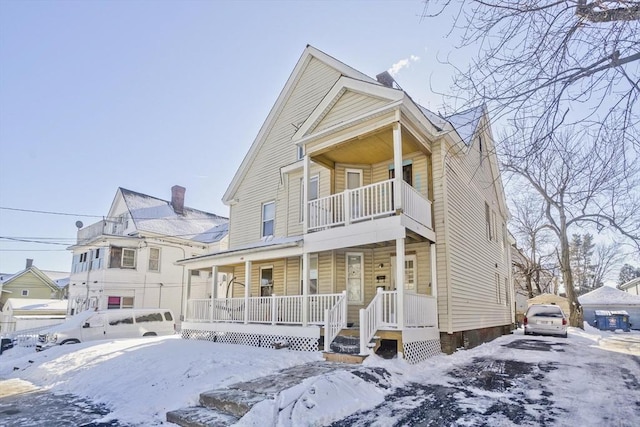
point(154, 259)
point(507, 294)
point(266, 281)
point(195, 272)
point(487, 217)
point(128, 258)
point(120, 319)
point(355, 278)
point(407, 173)
point(150, 317)
point(168, 316)
point(313, 193)
point(494, 225)
point(268, 218)
point(410, 264)
point(498, 290)
point(114, 302)
point(313, 275)
point(25, 292)
point(300, 152)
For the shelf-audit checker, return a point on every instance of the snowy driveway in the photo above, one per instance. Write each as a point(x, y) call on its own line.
point(538, 381)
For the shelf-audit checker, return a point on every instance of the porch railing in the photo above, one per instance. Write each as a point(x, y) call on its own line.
point(420, 310)
point(273, 309)
point(335, 320)
point(380, 312)
point(363, 203)
point(416, 206)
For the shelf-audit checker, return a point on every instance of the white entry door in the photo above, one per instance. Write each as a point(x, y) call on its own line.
point(410, 264)
point(353, 180)
point(355, 278)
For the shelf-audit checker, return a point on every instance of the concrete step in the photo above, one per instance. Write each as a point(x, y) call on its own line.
point(231, 401)
point(343, 357)
point(198, 416)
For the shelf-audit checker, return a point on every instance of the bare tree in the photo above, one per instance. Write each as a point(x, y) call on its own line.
point(607, 257)
point(535, 265)
point(556, 62)
point(582, 182)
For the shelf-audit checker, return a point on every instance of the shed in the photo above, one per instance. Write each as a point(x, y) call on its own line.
point(562, 302)
point(607, 298)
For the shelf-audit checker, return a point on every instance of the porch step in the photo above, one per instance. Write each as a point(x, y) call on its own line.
point(231, 401)
point(199, 416)
point(343, 358)
point(345, 345)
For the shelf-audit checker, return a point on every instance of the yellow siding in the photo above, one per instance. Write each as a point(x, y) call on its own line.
point(475, 261)
point(291, 215)
point(439, 212)
point(380, 171)
point(30, 282)
point(262, 182)
point(340, 175)
point(349, 106)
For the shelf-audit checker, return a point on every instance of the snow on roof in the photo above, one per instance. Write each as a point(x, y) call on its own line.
point(37, 304)
point(630, 283)
point(60, 278)
point(610, 313)
point(5, 276)
point(264, 243)
point(157, 216)
point(434, 118)
point(466, 122)
point(606, 295)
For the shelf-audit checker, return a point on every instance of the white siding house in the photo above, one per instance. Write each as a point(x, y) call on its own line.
point(127, 260)
point(357, 211)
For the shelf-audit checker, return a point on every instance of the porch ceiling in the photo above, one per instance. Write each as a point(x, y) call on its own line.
point(367, 149)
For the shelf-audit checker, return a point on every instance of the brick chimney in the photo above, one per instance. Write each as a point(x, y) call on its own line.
point(29, 263)
point(177, 199)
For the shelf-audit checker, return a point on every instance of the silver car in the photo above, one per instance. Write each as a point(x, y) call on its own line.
point(545, 319)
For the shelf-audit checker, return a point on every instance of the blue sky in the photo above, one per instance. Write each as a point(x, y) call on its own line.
point(144, 95)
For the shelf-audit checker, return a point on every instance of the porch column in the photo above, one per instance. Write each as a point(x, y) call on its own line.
point(434, 271)
point(247, 289)
point(186, 294)
point(397, 165)
point(305, 288)
point(305, 193)
point(214, 288)
point(400, 282)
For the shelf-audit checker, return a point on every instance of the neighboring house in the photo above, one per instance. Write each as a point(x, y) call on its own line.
point(562, 302)
point(31, 283)
point(357, 207)
point(128, 259)
point(632, 286)
point(607, 298)
point(19, 314)
point(542, 281)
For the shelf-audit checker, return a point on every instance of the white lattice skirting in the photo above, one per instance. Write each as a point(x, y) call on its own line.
point(254, 340)
point(418, 351)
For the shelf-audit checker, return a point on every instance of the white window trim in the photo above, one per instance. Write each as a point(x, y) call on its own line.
point(347, 171)
point(311, 256)
point(262, 222)
point(346, 270)
point(24, 293)
point(134, 258)
point(151, 249)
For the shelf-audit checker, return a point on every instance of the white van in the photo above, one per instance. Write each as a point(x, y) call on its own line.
point(109, 324)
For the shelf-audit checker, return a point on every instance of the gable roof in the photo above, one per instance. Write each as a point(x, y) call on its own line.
point(36, 272)
point(630, 283)
point(309, 53)
point(466, 122)
point(606, 295)
point(153, 215)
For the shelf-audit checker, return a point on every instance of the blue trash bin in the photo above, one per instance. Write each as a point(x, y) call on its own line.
point(612, 320)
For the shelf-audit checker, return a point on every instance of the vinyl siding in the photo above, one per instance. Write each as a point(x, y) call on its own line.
point(439, 211)
point(475, 260)
point(349, 106)
point(30, 282)
point(262, 180)
point(291, 215)
point(380, 171)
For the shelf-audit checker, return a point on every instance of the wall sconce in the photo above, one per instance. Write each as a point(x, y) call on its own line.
point(381, 265)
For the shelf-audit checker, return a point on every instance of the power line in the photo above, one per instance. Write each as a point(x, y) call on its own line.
point(115, 218)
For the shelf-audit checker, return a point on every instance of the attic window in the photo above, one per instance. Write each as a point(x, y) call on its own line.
point(25, 292)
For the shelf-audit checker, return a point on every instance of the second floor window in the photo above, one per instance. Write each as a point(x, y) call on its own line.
point(268, 218)
point(154, 259)
point(122, 258)
point(313, 193)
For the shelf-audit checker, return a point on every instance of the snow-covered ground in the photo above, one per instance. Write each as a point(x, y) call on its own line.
point(139, 380)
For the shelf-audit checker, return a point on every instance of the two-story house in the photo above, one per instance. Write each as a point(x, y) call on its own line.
point(357, 211)
point(127, 260)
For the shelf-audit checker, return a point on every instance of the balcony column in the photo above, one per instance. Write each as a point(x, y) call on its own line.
point(397, 165)
point(305, 193)
point(247, 289)
point(187, 294)
point(400, 282)
point(434, 272)
point(214, 288)
point(305, 288)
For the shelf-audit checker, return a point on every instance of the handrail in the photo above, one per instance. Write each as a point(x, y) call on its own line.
point(335, 319)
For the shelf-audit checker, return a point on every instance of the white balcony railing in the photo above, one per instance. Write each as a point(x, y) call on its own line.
point(420, 310)
point(273, 309)
point(368, 202)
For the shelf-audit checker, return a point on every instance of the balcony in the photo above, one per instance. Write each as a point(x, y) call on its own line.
point(99, 228)
point(367, 203)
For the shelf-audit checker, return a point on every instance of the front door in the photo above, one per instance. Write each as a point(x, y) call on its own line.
point(355, 278)
point(409, 273)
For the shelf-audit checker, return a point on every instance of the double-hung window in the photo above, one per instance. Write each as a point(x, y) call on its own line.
point(268, 218)
point(154, 259)
point(313, 193)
